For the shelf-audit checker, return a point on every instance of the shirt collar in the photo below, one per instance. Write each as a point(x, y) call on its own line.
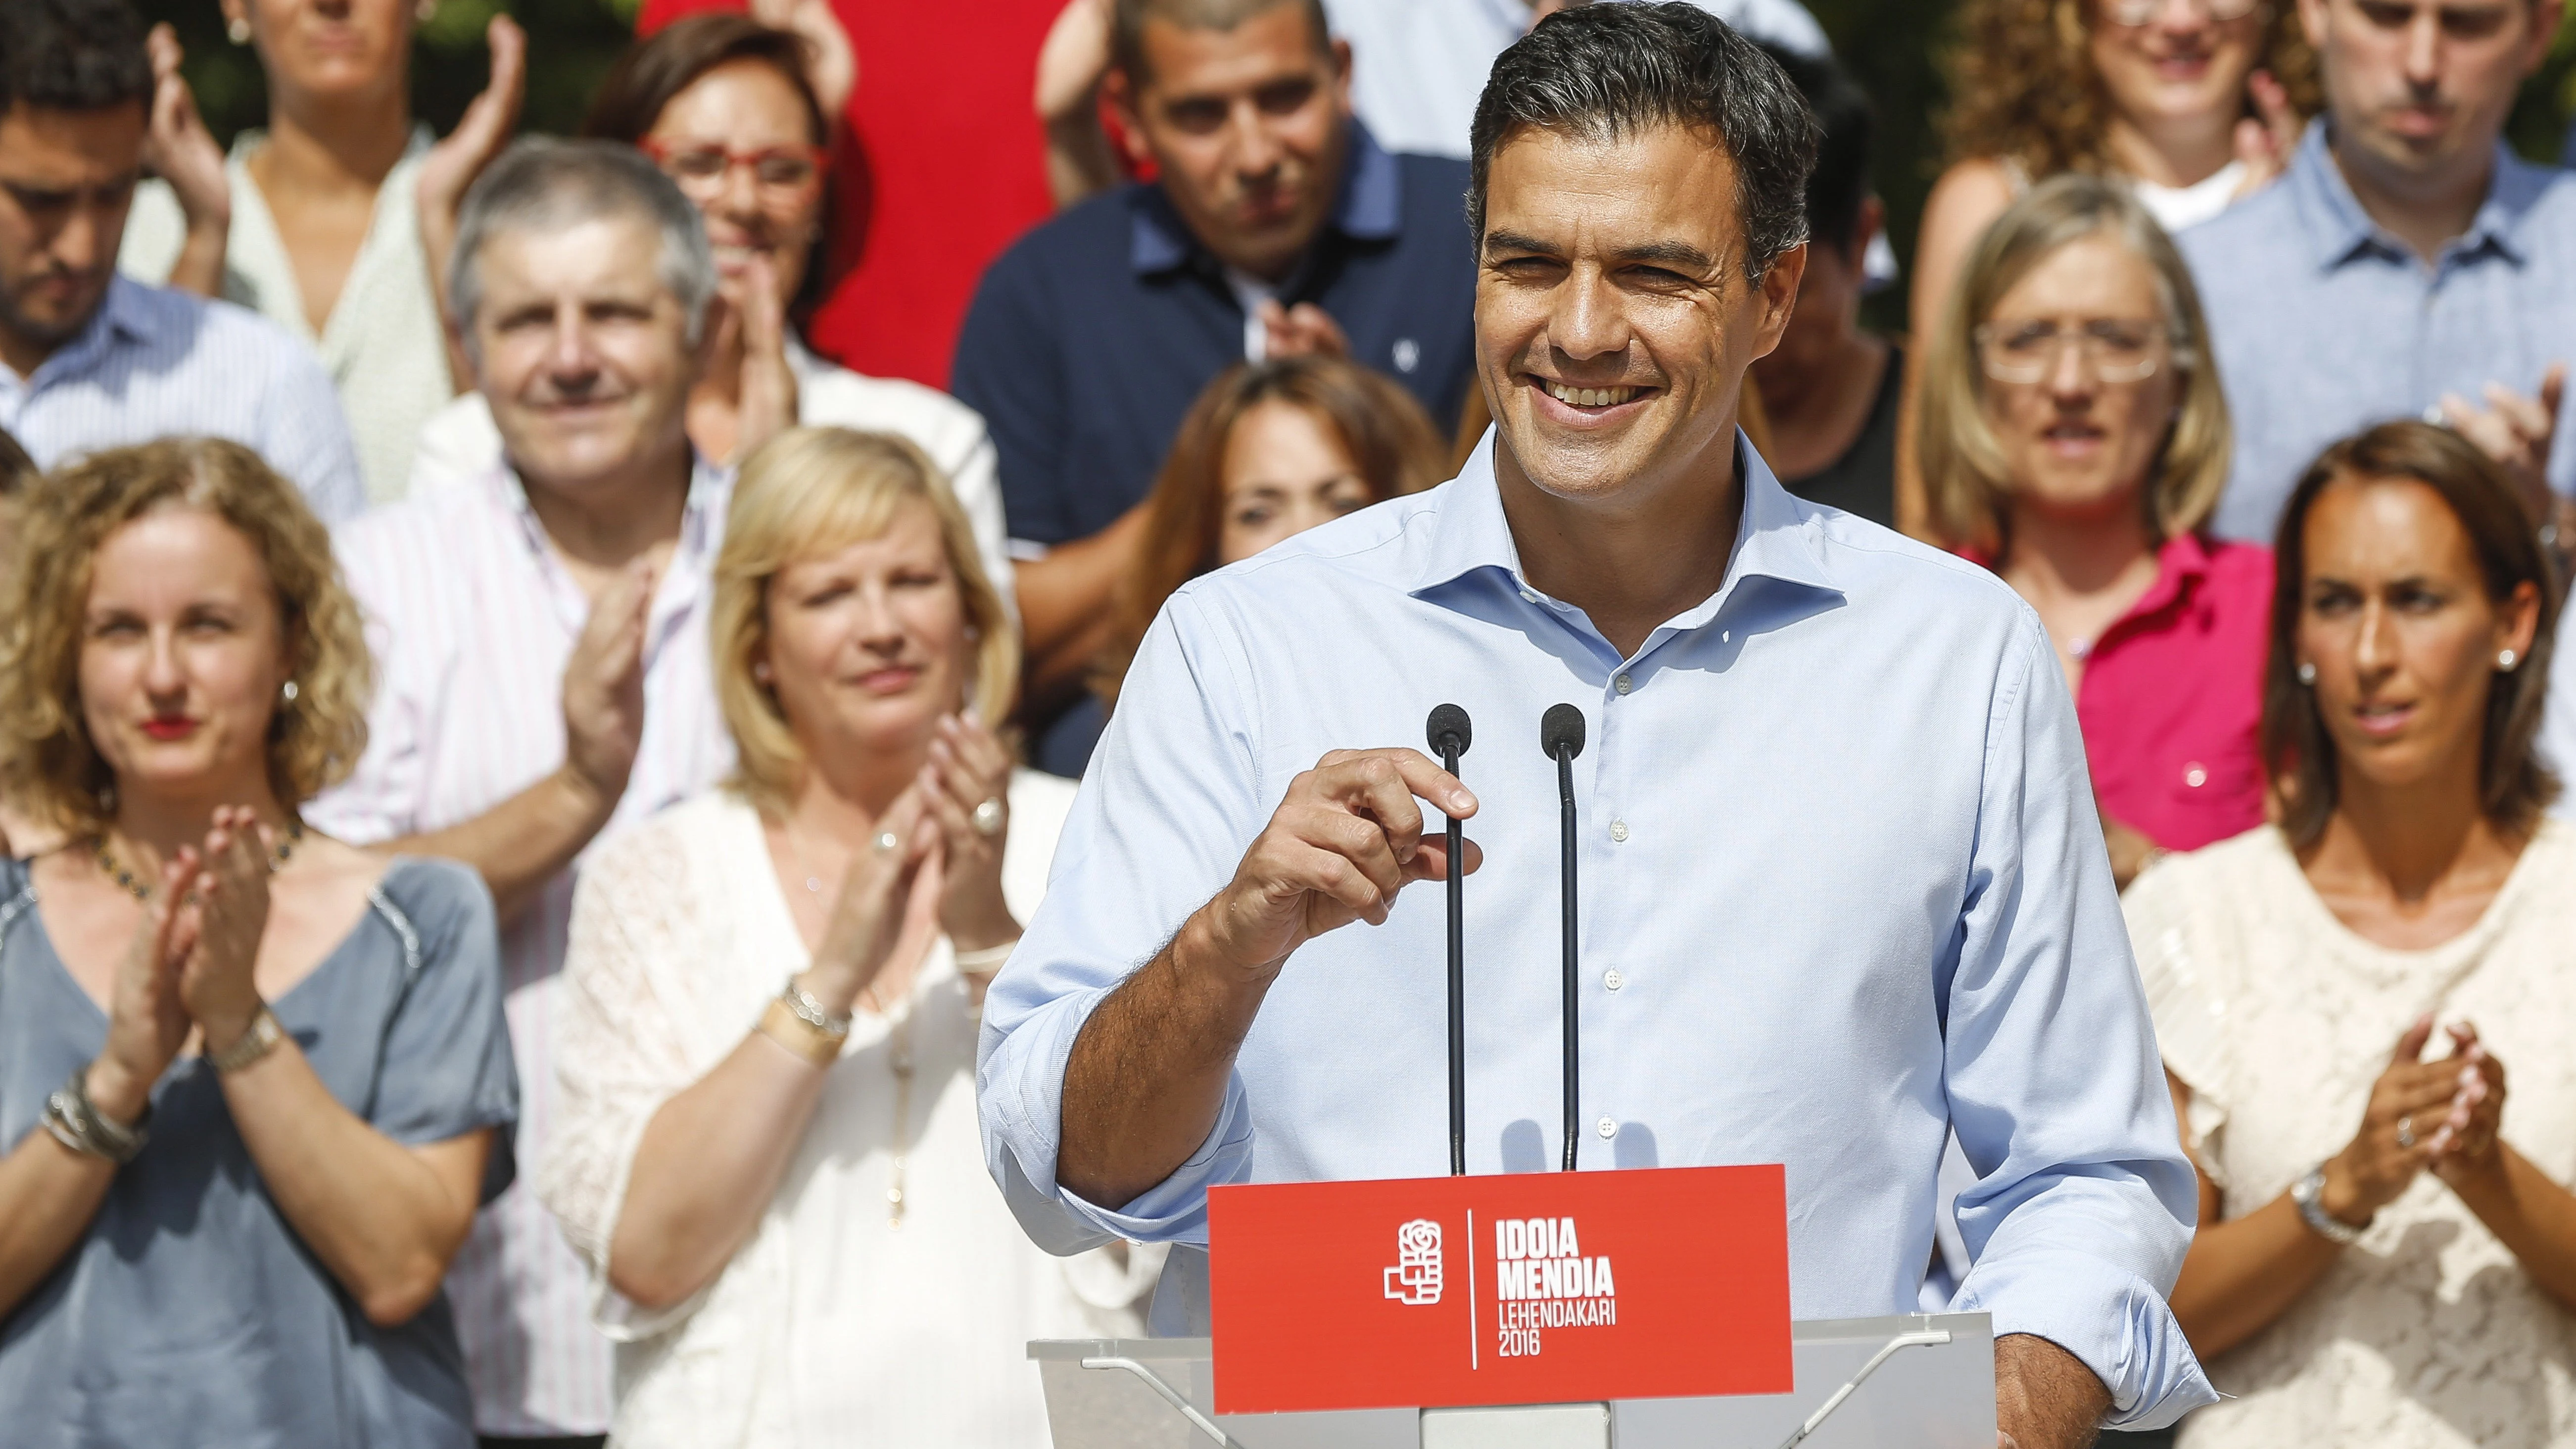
point(2341, 229)
point(1371, 208)
point(1773, 540)
point(2181, 564)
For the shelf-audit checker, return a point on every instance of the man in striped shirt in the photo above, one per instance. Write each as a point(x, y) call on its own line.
point(541, 638)
point(89, 359)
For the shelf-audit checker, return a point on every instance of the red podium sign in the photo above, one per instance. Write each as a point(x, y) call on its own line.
point(1537, 1288)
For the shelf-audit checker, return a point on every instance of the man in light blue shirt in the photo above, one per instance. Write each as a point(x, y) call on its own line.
point(89, 359)
point(2407, 261)
point(1843, 885)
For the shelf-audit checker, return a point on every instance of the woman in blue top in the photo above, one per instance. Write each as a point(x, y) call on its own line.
point(256, 1082)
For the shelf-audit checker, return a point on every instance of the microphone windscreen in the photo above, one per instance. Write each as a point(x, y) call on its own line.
point(1448, 721)
point(1560, 731)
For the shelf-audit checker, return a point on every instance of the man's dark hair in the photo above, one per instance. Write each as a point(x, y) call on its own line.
point(1603, 72)
point(1845, 123)
point(1127, 20)
point(72, 55)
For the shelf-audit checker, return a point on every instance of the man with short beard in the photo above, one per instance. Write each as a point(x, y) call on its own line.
point(90, 359)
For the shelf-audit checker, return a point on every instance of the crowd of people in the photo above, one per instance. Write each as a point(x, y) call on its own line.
point(469, 633)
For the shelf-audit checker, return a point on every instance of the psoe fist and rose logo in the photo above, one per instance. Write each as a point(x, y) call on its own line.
point(1542, 1278)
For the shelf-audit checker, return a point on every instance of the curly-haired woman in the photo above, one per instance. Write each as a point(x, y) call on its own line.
point(2194, 103)
point(257, 1081)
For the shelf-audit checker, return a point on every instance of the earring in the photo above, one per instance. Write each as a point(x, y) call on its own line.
point(287, 692)
point(2506, 660)
point(760, 671)
point(2307, 672)
point(237, 30)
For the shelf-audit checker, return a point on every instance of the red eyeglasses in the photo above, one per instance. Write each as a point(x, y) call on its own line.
point(777, 171)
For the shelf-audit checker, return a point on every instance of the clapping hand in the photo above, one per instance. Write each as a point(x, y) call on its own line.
point(2265, 145)
point(756, 313)
point(1304, 330)
point(888, 896)
point(2477, 1109)
point(966, 786)
point(146, 1020)
point(227, 895)
point(2407, 1125)
point(2517, 432)
point(603, 685)
point(177, 147)
point(831, 65)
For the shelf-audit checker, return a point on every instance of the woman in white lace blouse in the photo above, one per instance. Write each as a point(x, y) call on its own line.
point(768, 1150)
point(2387, 1251)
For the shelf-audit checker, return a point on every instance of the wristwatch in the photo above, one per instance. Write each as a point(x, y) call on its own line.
point(257, 1041)
point(2312, 1212)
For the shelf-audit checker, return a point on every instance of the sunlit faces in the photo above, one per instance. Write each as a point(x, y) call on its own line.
point(331, 47)
point(1613, 318)
point(2074, 441)
point(1285, 472)
point(583, 352)
point(868, 643)
point(1247, 127)
point(2182, 65)
point(182, 651)
point(768, 197)
point(66, 180)
point(2419, 85)
point(2395, 617)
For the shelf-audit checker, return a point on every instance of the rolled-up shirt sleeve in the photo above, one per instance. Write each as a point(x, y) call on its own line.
point(2084, 1203)
point(1173, 798)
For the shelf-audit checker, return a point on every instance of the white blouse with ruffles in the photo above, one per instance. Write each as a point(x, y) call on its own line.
point(2427, 1334)
point(831, 1325)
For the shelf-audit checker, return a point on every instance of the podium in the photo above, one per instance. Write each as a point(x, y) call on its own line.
point(1924, 1381)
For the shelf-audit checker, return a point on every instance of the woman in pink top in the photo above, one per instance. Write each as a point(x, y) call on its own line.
point(2075, 440)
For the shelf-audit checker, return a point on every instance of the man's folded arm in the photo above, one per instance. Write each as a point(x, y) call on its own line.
point(2084, 1204)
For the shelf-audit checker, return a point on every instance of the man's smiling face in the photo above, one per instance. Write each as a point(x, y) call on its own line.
point(1613, 318)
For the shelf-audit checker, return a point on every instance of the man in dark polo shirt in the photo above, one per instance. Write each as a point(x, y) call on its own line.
point(1276, 226)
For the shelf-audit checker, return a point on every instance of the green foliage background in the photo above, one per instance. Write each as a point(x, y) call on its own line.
point(1892, 46)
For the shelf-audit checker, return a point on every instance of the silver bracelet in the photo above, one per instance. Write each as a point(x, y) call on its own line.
point(811, 1012)
point(256, 1041)
point(2312, 1212)
point(75, 1121)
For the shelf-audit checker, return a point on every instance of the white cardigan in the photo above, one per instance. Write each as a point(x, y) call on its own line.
point(830, 1325)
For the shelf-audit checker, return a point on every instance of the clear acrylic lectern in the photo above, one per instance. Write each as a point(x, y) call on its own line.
point(1910, 1381)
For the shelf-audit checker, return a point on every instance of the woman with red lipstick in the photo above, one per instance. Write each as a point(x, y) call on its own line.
point(256, 1081)
point(769, 1151)
point(2387, 1248)
point(2191, 104)
point(735, 113)
point(2074, 428)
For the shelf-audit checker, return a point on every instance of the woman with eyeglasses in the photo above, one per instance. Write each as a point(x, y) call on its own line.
point(2192, 104)
point(731, 110)
point(2074, 432)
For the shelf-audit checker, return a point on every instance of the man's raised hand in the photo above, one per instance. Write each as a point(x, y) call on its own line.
point(1346, 839)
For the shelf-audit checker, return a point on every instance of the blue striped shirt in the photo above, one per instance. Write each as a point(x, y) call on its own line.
point(156, 363)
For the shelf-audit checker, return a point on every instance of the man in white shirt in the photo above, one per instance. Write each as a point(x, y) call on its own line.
point(541, 634)
point(91, 360)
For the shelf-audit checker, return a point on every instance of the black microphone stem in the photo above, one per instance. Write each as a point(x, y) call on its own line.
point(1573, 1036)
point(1457, 979)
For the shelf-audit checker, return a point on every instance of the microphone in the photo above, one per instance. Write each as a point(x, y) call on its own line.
point(1449, 735)
point(1560, 733)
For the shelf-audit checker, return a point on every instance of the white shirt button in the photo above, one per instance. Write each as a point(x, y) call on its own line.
point(1612, 979)
point(1606, 1127)
point(1623, 684)
point(2195, 775)
point(1529, 596)
point(1619, 831)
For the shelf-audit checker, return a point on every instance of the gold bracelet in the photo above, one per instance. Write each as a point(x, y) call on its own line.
point(780, 1023)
